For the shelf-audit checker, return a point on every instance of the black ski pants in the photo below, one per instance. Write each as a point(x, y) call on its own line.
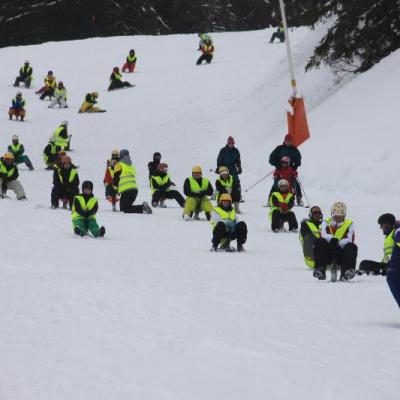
point(205, 57)
point(169, 194)
point(325, 255)
point(393, 280)
point(279, 35)
point(126, 202)
point(47, 92)
point(278, 219)
point(220, 232)
point(377, 268)
point(60, 193)
point(118, 85)
point(26, 79)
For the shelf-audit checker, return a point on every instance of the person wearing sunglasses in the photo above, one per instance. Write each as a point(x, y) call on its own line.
point(310, 231)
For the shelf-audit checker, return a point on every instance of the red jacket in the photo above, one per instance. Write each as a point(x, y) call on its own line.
point(287, 173)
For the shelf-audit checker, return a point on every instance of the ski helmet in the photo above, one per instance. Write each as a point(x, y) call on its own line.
point(338, 209)
point(26, 62)
point(15, 138)
point(196, 169)
point(162, 167)
point(124, 153)
point(61, 83)
point(285, 159)
point(387, 218)
point(87, 185)
point(225, 197)
point(114, 153)
point(50, 73)
point(8, 156)
point(223, 170)
point(19, 94)
point(314, 210)
point(283, 183)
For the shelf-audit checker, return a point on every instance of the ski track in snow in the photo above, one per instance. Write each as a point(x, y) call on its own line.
point(148, 312)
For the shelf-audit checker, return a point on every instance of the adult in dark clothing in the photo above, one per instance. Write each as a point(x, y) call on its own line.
point(387, 222)
point(65, 184)
point(309, 232)
point(229, 156)
point(152, 165)
point(393, 274)
point(25, 75)
point(279, 34)
point(116, 80)
point(161, 188)
point(288, 150)
point(50, 153)
point(281, 203)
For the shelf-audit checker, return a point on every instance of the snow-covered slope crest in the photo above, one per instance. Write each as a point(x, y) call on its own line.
point(149, 313)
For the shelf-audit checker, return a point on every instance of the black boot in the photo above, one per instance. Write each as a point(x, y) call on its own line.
point(102, 231)
point(319, 273)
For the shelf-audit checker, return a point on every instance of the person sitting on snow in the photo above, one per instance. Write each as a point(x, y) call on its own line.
point(310, 231)
point(388, 224)
point(116, 80)
point(281, 203)
point(111, 191)
point(88, 105)
point(50, 153)
point(61, 137)
point(17, 150)
point(25, 75)
point(84, 209)
point(60, 96)
point(208, 52)
point(17, 107)
point(130, 63)
point(227, 183)
point(336, 245)
point(161, 184)
point(279, 34)
point(226, 226)
point(65, 184)
point(49, 87)
point(197, 188)
point(8, 177)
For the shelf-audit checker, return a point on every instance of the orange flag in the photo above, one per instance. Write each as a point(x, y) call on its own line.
point(297, 122)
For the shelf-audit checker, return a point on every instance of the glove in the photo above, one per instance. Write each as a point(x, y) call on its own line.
point(228, 190)
point(239, 170)
point(334, 243)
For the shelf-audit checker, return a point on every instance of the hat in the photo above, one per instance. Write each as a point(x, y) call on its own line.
point(8, 156)
point(231, 140)
point(196, 169)
point(87, 185)
point(124, 153)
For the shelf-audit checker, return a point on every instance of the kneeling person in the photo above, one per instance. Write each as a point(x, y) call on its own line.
point(8, 177)
point(84, 211)
point(226, 226)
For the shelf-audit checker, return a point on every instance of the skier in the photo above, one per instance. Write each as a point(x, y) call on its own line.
point(17, 150)
point(130, 63)
point(281, 203)
point(226, 226)
point(88, 105)
point(17, 107)
point(393, 273)
point(161, 184)
point(208, 52)
point(388, 225)
point(116, 80)
point(49, 87)
point(226, 183)
point(111, 190)
point(197, 188)
point(25, 75)
point(84, 209)
point(203, 37)
point(60, 96)
point(285, 171)
point(65, 184)
point(8, 177)
point(287, 149)
point(50, 153)
point(310, 230)
point(125, 180)
point(152, 165)
point(61, 137)
point(336, 245)
point(279, 34)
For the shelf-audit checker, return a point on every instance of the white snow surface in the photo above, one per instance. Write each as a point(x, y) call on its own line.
point(149, 313)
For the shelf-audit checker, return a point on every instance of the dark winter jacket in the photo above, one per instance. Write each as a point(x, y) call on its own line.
point(25, 71)
point(18, 104)
point(78, 208)
point(61, 179)
point(186, 189)
point(305, 229)
point(18, 150)
point(156, 186)
point(230, 158)
point(48, 151)
point(152, 166)
point(290, 151)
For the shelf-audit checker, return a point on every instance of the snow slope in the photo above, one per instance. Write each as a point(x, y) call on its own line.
point(149, 313)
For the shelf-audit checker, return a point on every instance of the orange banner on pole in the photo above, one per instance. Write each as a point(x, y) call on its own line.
point(297, 122)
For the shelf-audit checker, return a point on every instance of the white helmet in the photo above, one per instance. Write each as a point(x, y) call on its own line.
point(283, 182)
point(64, 123)
point(338, 209)
point(15, 137)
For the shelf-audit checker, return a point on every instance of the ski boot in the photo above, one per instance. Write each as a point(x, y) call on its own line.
point(240, 248)
point(146, 208)
point(102, 231)
point(348, 275)
point(236, 206)
point(319, 273)
point(196, 217)
point(78, 232)
point(162, 204)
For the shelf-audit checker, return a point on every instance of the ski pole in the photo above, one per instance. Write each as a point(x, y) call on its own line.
point(305, 194)
point(260, 180)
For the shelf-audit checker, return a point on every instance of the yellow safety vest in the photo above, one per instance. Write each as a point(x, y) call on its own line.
point(280, 198)
point(117, 76)
point(160, 181)
point(5, 171)
point(85, 207)
point(339, 234)
point(15, 148)
point(195, 187)
point(72, 175)
point(131, 59)
point(50, 82)
point(227, 184)
point(225, 215)
point(59, 140)
point(127, 179)
point(316, 232)
point(388, 245)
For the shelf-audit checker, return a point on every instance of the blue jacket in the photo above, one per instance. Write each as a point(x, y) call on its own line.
point(18, 104)
point(394, 262)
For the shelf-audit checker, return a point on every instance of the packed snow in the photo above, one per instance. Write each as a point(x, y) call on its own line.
point(148, 312)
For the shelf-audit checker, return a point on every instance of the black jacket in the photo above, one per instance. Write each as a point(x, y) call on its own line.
point(290, 151)
point(65, 184)
point(305, 229)
point(14, 175)
point(230, 158)
point(156, 186)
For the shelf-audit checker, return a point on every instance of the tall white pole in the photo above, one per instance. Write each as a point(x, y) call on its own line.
point(288, 50)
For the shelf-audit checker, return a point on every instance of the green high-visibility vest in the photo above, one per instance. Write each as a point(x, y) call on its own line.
point(316, 232)
point(225, 215)
point(86, 206)
point(3, 170)
point(117, 76)
point(131, 59)
point(339, 234)
point(53, 151)
point(227, 184)
point(127, 179)
point(72, 175)
point(160, 180)
point(388, 245)
point(59, 140)
point(280, 198)
point(15, 148)
point(195, 187)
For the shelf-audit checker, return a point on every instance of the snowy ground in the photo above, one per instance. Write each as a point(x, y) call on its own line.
point(149, 313)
